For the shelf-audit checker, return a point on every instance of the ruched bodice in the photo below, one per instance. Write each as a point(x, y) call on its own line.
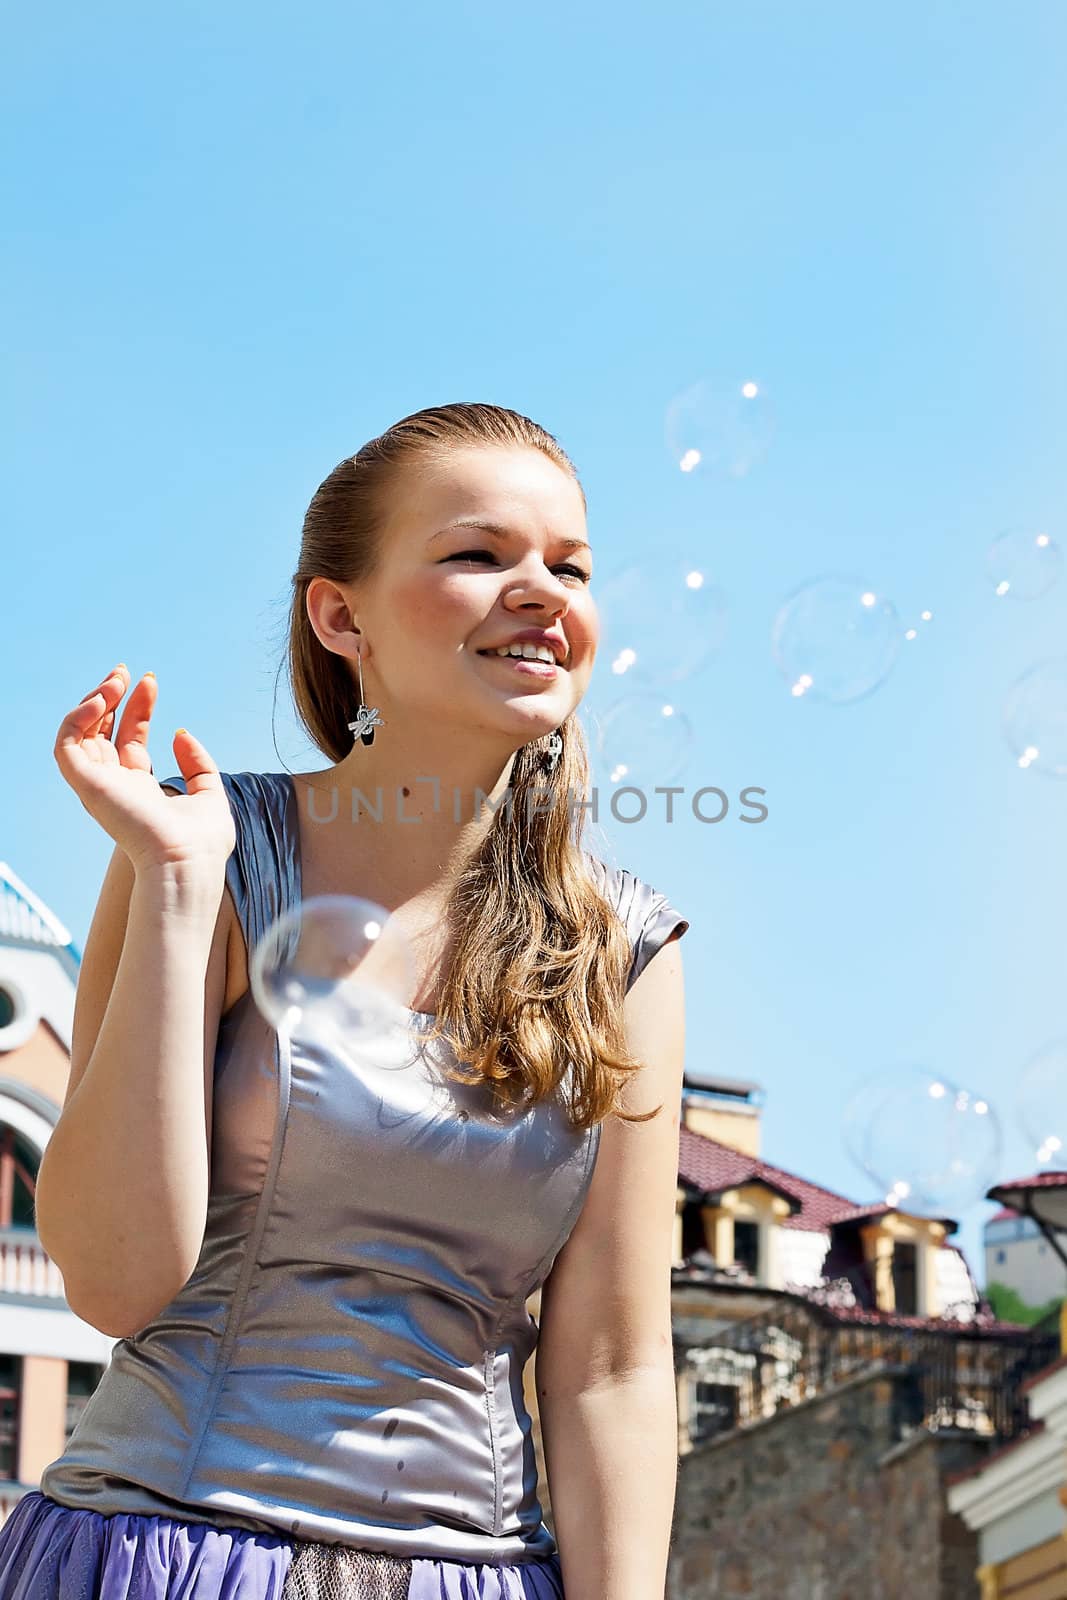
point(346, 1360)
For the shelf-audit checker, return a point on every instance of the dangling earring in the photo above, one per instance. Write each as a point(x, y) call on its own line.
point(368, 718)
point(554, 751)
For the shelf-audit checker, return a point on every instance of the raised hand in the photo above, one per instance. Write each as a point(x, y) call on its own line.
point(111, 773)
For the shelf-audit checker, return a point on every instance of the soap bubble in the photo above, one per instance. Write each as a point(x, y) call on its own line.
point(1042, 1104)
point(1034, 718)
point(835, 639)
point(335, 966)
point(860, 1112)
point(913, 632)
point(719, 425)
point(660, 621)
point(643, 739)
point(1023, 563)
point(932, 1146)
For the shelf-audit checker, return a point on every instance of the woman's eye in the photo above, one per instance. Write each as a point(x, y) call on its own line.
point(467, 555)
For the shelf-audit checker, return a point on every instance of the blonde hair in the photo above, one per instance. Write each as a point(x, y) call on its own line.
point(533, 1003)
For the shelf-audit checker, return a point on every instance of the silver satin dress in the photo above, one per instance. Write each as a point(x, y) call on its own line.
point(345, 1363)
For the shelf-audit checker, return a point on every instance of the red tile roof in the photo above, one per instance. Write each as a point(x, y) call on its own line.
point(879, 1208)
point(983, 1324)
point(893, 1319)
point(708, 1164)
point(1036, 1180)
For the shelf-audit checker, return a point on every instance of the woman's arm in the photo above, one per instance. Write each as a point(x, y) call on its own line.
point(604, 1365)
point(122, 1191)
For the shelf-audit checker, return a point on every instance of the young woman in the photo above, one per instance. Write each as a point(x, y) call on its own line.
point(316, 1260)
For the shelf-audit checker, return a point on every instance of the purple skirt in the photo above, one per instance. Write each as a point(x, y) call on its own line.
point(53, 1552)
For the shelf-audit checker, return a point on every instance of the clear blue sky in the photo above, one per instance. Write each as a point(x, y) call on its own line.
point(241, 240)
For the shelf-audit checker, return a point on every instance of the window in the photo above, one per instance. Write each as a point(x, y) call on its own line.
point(1002, 1255)
point(692, 1231)
point(19, 1162)
point(715, 1409)
point(746, 1246)
point(905, 1278)
point(82, 1379)
point(10, 1388)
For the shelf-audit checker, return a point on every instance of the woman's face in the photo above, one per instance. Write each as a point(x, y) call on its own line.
point(443, 593)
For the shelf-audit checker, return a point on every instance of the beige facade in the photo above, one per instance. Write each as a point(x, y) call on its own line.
point(50, 1360)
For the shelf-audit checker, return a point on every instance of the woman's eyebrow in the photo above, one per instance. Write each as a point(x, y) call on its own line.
point(496, 531)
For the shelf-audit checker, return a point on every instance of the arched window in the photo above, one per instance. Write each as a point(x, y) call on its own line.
point(19, 1162)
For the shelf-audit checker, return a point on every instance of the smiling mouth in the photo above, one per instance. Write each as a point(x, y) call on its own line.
point(523, 661)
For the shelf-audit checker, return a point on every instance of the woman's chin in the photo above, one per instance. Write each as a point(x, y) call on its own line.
point(524, 730)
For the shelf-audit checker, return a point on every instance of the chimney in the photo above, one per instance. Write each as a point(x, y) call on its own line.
point(724, 1109)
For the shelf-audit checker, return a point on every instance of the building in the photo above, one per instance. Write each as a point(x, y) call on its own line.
point(1016, 1500)
point(50, 1360)
point(837, 1367)
point(836, 1364)
point(1019, 1256)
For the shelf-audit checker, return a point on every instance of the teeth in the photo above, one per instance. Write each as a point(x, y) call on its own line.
point(531, 652)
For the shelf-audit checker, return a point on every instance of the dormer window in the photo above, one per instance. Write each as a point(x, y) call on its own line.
point(746, 1245)
point(905, 1278)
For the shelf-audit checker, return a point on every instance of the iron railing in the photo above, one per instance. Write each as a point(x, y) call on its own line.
point(961, 1377)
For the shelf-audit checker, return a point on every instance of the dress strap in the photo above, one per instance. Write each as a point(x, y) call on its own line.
point(647, 915)
point(261, 870)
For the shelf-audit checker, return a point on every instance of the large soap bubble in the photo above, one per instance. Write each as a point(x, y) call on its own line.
point(334, 967)
point(1034, 718)
point(643, 739)
point(1042, 1104)
point(661, 621)
point(835, 639)
point(719, 425)
point(1023, 563)
point(932, 1146)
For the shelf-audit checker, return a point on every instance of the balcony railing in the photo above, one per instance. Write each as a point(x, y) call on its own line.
point(25, 1268)
point(962, 1378)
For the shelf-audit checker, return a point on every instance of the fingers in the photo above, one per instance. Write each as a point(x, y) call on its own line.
point(195, 761)
point(117, 676)
point(82, 722)
point(132, 738)
point(94, 714)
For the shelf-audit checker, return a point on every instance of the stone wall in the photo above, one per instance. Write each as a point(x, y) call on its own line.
point(824, 1502)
